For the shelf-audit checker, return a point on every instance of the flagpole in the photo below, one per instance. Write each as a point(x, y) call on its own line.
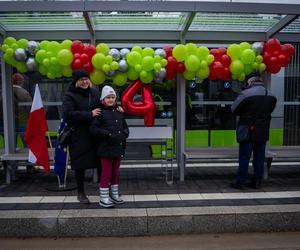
point(66, 168)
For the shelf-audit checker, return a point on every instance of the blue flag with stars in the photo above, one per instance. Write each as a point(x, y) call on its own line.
point(60, 157)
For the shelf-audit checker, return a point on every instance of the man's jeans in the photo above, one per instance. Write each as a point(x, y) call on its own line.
point(245, 151)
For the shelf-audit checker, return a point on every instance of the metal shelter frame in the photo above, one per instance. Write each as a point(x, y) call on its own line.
point(154, 38)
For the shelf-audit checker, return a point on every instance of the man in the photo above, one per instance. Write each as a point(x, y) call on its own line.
point(21, 112)
point(254, 106)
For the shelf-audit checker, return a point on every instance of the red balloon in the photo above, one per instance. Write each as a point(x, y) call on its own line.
point(146, 108)
point(273, 60)
point(216, 69)
point(225, 60)
point(272, 44)
point(180, 67)
point(170, 75)
point(172, 63)
point(284, 59)
point(88, 67)
point(266, 58)
point(222, 51)
point(168, 51)
point(90, 50)
point(84, 58)
point(216, 53)
point(273, 68)
point(289, 49)
point(226, 74)
point(76, 64)
point(76, 56)
point(77, 47)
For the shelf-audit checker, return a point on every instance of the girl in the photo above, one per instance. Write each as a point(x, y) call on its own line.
point(111, 131)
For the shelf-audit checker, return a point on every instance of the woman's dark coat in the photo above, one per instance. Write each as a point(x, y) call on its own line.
point(111, 130)
point(77, 109)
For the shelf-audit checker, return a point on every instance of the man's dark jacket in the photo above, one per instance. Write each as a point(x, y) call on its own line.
point(254, 109)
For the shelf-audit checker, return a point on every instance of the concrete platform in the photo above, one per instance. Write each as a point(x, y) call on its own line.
point(203, 204)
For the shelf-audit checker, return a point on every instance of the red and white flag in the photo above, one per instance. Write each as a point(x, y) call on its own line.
point(35, 132)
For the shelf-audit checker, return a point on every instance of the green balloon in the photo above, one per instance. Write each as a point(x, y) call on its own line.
point(9, 52)
point(191, 49)
point(108, 59)
point(10, 60)
point(138, 68)
point(120, 79)
point(192, 63)
point(67, 71)
point(106, 67)
point(180, 52)
point(241, 77)
point(5, 47)
point(9, 40)
point(236, 67)
point(98, 60)
point(163, 62)
point(65, 57)
point(97, 77)
point(146, 78)
point(234, 51)
point(40, 55)
point(189, 75)
point(148, 63)
point(53, 60)
point(134, 58)
point(259, 59)
point(248, 56)
point(203, 73)
point(244, 45)
point(248, 69)
point(50, 75)
point(202, 52)
point(14, 46)
point(157, 59)
point(44, 44)
point(21, 67)
point(132, 74)
point(46, 62)
point(114, 65)
point(66, 44)
point(22, 43)
point(137, 49)
point(102, 48)
point(53, 47)
point(157, 66)
point(203, 64)
point(210, 59)
point(143, 74)
point(255, 65)
point(262, 67)
point(42, 69)
point(147, 52)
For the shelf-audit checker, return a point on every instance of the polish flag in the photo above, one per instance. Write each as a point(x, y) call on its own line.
point(35, 132)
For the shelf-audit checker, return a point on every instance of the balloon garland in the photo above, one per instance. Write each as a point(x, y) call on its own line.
point(56, 60)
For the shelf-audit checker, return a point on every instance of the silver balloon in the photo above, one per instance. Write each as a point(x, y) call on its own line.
point(124, 52)
point(160, 73)
point(160, 52)
point(20, 55)
point(123, 66)
point(257, 47)
point(30, 64)
point(32, 46)
point(110, 73)
point(115, 54)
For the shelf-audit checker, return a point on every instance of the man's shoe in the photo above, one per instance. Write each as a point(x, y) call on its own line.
point(256, 184)
point(32, 170)
point(83, 199)
point(237, 186)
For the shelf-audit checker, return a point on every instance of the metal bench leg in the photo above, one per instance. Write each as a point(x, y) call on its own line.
point(267, 166)
point(7, 172)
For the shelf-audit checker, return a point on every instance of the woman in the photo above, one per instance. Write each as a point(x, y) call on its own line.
point(80, 106)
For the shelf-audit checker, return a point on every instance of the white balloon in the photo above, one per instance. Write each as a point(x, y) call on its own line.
point(20, 55)
point(115, 54)
point(123, 65)
point(124, 52)
point(30, 64)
